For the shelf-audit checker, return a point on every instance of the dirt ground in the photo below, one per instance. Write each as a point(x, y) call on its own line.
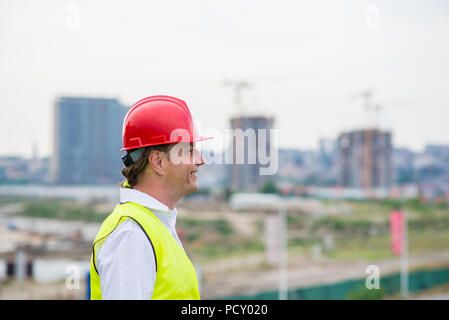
point(31, 290)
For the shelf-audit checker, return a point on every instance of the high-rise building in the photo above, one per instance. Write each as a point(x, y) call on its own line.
point(327, 152)
point(365, 158)
point(440, 152)
point(246, 176)
point(87, 140)
point(403, 160)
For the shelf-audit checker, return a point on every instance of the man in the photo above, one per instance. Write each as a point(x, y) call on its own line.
point(137, 253)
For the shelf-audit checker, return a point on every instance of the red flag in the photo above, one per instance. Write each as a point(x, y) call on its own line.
point(397, 231)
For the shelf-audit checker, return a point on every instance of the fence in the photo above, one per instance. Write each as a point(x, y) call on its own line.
point(355, 289)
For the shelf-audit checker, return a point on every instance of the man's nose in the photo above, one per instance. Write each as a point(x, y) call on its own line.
point(199, 160)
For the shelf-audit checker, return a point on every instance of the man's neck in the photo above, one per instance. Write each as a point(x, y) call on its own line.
point(159, 193)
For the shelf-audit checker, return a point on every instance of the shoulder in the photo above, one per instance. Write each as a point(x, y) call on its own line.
point(128, 229)
point(128, 237)
point(127, 242)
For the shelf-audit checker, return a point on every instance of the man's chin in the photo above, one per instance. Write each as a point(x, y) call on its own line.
point(193, 188)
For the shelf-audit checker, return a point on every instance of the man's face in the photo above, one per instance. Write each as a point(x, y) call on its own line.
point(183, 166)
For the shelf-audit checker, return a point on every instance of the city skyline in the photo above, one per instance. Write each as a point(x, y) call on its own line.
point(306, 64)
point(35, 152)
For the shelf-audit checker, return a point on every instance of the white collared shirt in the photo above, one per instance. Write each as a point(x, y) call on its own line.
point(126, 262)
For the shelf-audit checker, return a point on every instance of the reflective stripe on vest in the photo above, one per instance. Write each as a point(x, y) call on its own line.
point(175, 276)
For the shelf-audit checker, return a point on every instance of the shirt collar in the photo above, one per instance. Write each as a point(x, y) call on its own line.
point(144, 199)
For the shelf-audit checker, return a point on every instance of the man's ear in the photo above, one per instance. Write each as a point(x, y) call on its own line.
point(157, 162)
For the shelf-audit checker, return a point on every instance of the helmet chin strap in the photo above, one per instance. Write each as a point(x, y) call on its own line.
point(131, 157)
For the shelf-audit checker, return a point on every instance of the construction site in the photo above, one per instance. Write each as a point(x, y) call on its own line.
point(236, 252)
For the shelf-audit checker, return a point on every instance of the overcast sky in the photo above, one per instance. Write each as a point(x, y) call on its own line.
point(306, 60)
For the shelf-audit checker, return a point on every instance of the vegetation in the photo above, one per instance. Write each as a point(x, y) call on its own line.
point(5, 200)
point(58, 209)
point(269, 187)
point(221, 226)
point(228, 192)
point(364, 294)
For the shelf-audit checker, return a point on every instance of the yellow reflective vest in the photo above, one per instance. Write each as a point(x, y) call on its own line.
point(175, 276)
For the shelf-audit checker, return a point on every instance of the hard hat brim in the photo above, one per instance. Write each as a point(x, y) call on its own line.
point(197, 139)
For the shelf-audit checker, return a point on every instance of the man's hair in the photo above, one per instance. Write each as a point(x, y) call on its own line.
point(133, 172)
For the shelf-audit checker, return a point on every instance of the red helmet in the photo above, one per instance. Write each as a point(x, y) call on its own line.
point(158, 120)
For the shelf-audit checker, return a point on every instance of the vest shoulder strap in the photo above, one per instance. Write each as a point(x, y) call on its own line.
point(144, 218)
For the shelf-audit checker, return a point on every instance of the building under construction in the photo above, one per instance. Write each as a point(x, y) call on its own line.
point(365, 158)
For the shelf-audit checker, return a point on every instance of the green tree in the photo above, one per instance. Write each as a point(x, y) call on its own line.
point(269, 187)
